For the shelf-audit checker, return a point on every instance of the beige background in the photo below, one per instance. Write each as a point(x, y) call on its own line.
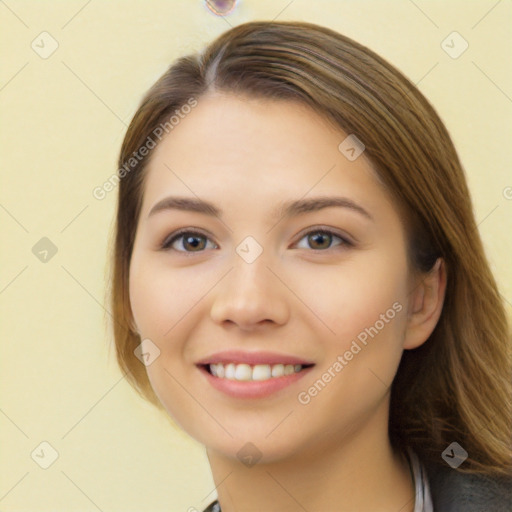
point(63, 119)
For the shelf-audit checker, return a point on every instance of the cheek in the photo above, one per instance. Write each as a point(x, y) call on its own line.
point(147, 298)
point(160, 296)
point(355, 296)
point(364, 304)
point(365, 307)
point(162, 302)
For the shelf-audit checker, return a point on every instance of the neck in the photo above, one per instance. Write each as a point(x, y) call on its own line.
point(343, 473)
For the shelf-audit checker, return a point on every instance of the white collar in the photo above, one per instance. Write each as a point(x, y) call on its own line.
point(423, 500)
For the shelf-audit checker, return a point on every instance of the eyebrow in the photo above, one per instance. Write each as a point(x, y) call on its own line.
point(285, 209)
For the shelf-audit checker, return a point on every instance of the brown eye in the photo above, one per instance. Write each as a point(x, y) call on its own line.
point(187, 241)
point(322, 239)
point(194, 242)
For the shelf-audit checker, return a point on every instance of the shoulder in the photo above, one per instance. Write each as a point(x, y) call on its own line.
point(453, 491)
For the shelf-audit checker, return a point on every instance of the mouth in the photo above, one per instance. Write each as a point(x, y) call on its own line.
point(252, 374)
point(253, 379)
point(244, 372)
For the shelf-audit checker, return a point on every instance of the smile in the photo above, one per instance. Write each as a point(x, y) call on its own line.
point(252, 374)
point(258, 372)
point(244, 381)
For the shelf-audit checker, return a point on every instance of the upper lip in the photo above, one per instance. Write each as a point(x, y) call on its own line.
point(252, 358)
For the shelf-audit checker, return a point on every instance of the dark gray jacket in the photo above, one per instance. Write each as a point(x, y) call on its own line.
point(453, 491)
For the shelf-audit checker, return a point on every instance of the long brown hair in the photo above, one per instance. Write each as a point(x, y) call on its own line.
point(457, 385)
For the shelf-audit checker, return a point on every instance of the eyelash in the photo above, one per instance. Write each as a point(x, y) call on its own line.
point(168, 242)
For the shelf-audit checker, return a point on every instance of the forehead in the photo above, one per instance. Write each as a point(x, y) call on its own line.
point(227, 127)
point(256, 151)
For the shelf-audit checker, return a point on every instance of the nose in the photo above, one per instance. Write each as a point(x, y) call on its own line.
point(250, 296)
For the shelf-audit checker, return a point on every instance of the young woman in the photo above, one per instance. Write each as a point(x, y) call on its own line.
point(299, 281)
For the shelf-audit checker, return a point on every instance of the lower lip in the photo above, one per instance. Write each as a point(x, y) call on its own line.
point(253, 388)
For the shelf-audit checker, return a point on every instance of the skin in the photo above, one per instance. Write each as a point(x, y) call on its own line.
point(300, 298)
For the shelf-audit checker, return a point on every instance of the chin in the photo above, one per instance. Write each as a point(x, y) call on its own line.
point(255, 450)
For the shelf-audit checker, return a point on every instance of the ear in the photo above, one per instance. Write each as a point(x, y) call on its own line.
point(425, 305)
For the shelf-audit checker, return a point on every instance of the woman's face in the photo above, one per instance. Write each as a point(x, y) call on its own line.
point(268, 284)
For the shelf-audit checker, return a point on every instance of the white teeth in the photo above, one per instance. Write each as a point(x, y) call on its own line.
point(245, 372)
point(289, 369)
point(229, 370)
point(278, 370)
point(220, 370)
point(261, 372)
